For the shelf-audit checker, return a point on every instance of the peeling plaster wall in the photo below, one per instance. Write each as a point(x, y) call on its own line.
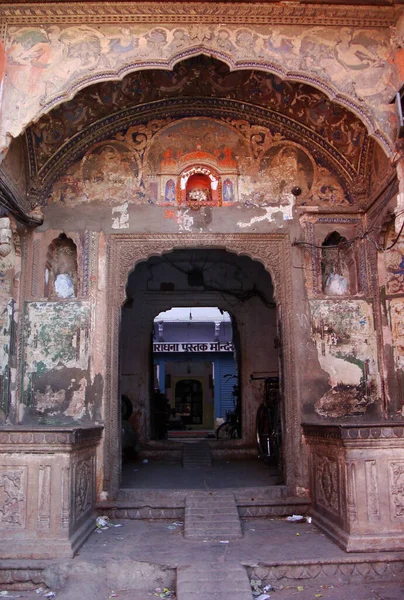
point(346, 341)
point(57, 388)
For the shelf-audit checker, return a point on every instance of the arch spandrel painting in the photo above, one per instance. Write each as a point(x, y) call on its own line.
point(200, 162)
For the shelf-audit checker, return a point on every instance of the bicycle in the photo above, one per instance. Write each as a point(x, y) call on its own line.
point(231, 428)
point(268, 423)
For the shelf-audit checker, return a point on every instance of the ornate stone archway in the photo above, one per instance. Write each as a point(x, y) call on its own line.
point(125, 251)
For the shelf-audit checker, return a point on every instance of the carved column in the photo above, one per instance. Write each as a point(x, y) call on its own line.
point(357, 484)
point(47, 490)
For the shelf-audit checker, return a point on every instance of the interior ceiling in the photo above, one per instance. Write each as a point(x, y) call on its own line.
point(202, 85)
point(341, 131)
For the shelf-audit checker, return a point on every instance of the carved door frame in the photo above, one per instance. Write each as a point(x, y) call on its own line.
point(125, 251)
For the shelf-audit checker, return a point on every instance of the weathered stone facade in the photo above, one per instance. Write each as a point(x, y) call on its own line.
point(131, 131)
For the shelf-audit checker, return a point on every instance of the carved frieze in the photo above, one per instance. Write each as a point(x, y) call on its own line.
point(83, 486)
point(44, 497)
point(372, 490)
point(327, 482)
point(13, 497)
point(397, 489)
point(198, 12)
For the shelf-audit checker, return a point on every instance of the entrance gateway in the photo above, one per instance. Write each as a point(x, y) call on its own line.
point(268, 135)
point(272, 251)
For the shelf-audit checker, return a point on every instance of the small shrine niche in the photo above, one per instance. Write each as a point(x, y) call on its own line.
point(61, 268)
point(200, 187)
point(338, 267)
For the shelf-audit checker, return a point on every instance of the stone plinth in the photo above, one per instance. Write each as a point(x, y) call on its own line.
point(357, 484)
point(47, 490)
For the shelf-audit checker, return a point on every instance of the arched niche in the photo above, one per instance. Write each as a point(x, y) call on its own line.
point(338, 266)
point(61, 278)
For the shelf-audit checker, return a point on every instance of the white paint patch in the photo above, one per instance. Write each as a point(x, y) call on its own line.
point(77, 406)
point(185, 221)
point(64, 286)
point(269, 212)
point(340, 371)
point(121, 220)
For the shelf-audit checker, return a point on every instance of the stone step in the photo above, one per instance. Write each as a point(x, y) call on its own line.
point(196, 455)
point(210, 581)
point(211, 516)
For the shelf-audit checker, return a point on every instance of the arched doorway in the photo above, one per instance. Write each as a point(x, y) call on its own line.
point(270, 251)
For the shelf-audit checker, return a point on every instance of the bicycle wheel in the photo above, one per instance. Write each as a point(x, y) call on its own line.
point(225, 431)
point(263, 430)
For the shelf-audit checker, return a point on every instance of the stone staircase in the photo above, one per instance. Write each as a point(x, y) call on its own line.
point(196, 455)
point(212, 516)
point(212, 581)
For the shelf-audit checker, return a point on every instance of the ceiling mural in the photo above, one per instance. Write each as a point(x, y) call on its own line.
point(203, 77)
point(47, 63)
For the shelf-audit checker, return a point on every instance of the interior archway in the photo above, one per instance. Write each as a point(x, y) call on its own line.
point(126, 251)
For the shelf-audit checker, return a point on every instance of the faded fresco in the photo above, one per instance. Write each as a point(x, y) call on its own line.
point(195, 163)
point(56, 351)
point(394, 261)
point(345, 339)
point(45, 62)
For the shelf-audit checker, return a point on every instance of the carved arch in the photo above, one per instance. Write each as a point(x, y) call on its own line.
point(126, 251)
point(322, 84)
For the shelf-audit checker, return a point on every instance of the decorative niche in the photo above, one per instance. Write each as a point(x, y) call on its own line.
point(61, 269)
point(338, 266)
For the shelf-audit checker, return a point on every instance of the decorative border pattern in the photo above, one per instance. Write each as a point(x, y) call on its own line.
point(376, 431)
point(15, 437)
point(198, 12)
point(125, 251)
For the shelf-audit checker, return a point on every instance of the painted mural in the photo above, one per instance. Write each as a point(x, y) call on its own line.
point(46, 61)
point(195, 163)
point(394, 261)
point(345, 339)
point(204, 77)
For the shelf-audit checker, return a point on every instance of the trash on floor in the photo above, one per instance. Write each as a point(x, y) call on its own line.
point(175, 525)
point(164, 593)
point(112, 595)
point(145, 461)
point(7, 594)
point(296, 519)
point(260, 589)
point(49, 595)
point(102, 523)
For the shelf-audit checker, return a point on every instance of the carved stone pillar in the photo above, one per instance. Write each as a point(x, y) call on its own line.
point(47, 490)
point(357, 484)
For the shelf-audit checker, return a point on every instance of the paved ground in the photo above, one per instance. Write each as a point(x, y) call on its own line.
point(222, 474)
point(145, 554)
point(131, 561)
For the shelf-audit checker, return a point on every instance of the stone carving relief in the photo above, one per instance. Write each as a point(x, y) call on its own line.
point(327, 483)
point(397, 489)
point(49, 61)
point(44, 497)
point(345, 339)
point(372, 490)
point(83, 487)
point(12, 498)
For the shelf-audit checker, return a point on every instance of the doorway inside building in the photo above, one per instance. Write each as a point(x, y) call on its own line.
point(195, 360)
point(164, 376)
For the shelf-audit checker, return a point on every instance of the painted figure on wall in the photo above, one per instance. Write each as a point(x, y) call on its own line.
point(227, 190)
point(170, 195)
